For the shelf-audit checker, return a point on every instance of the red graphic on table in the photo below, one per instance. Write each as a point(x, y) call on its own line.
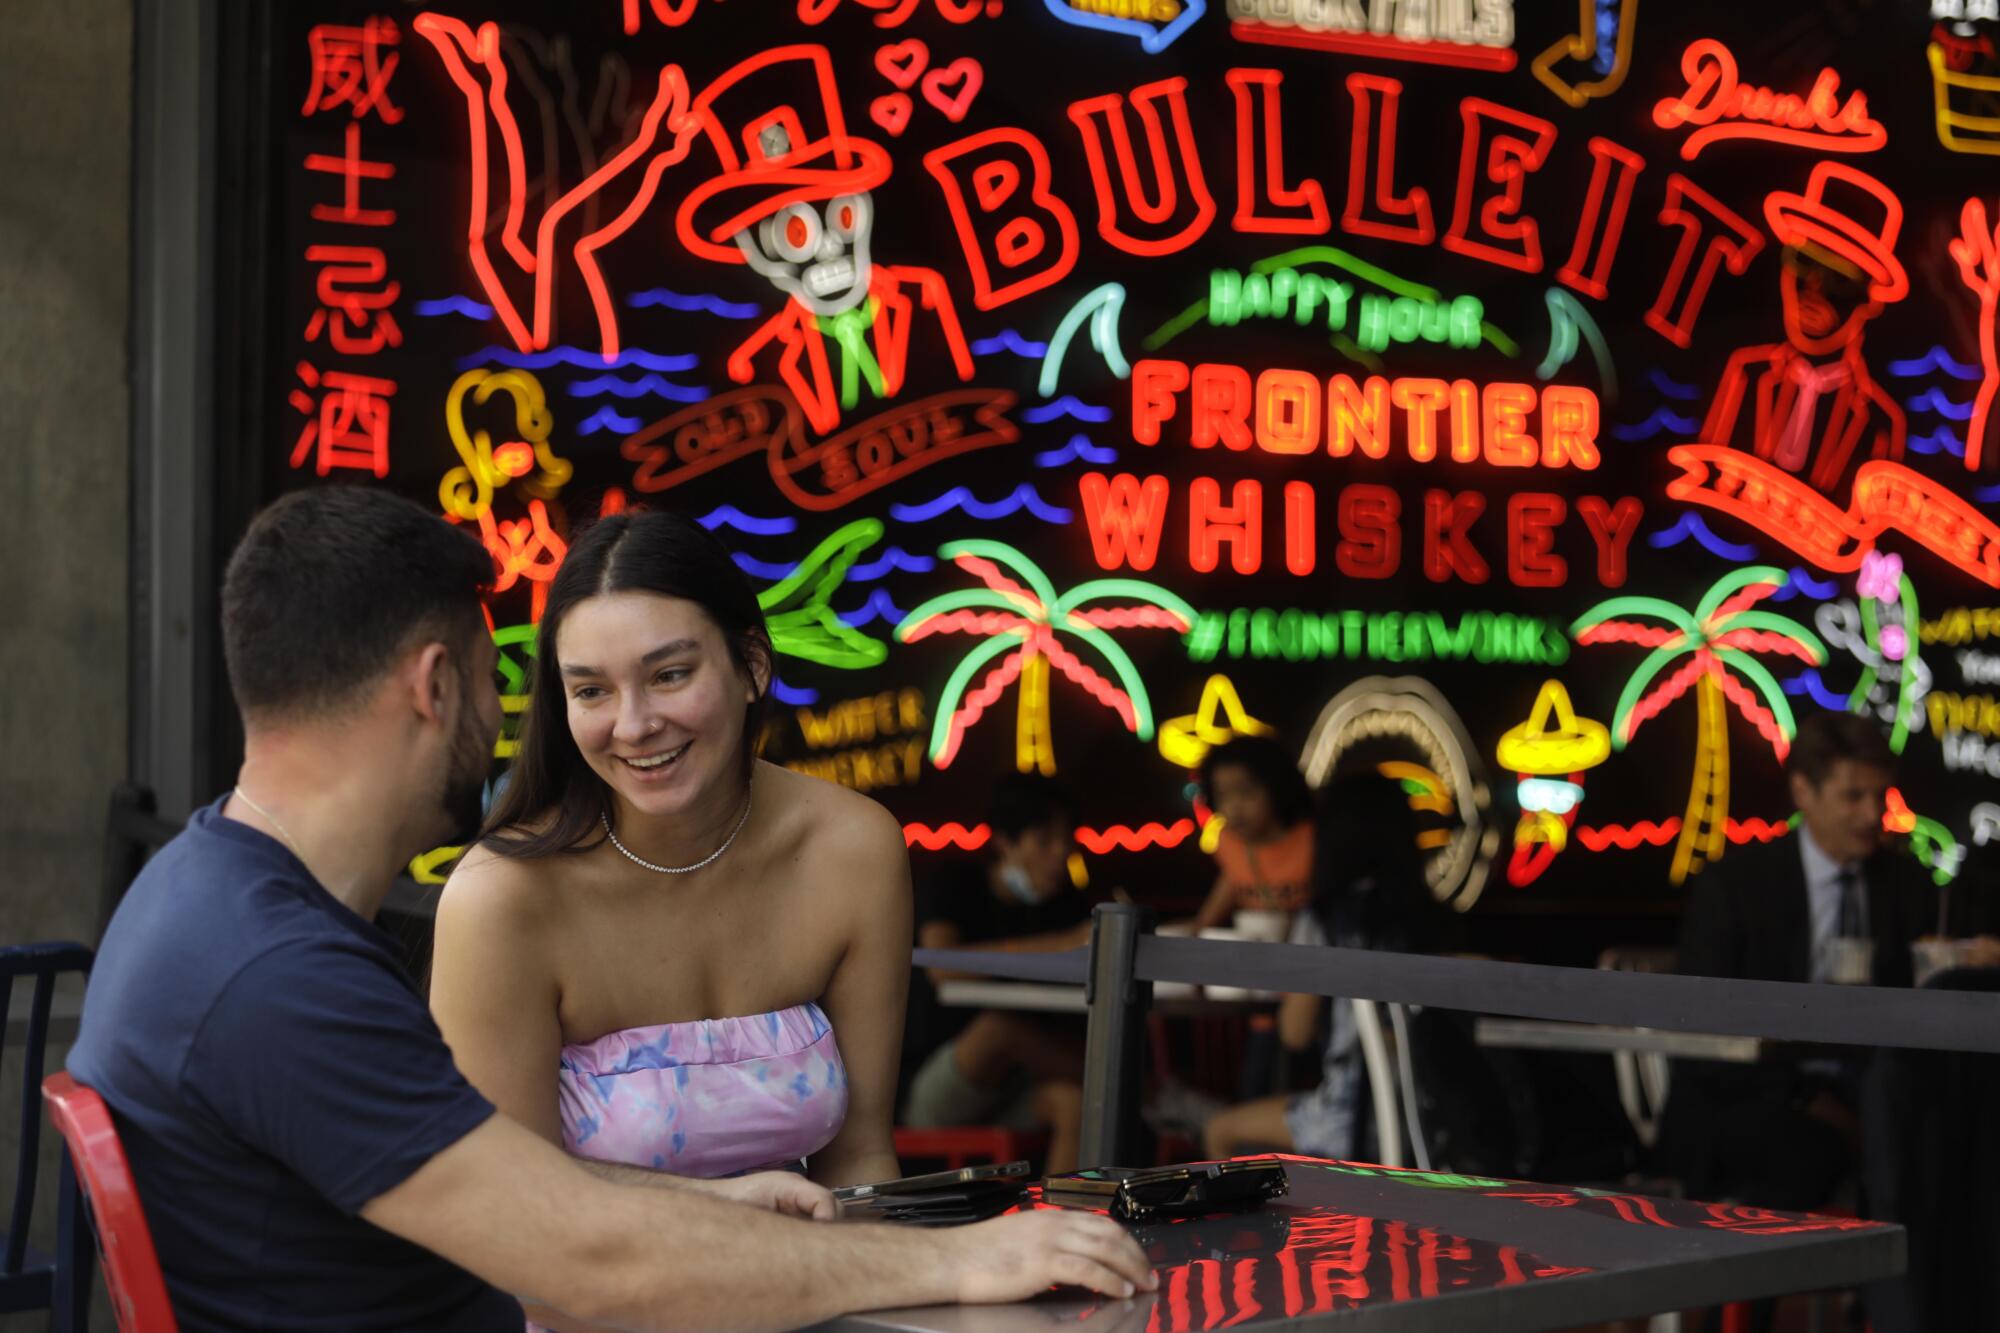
point(794, 200)
point(1808, 405)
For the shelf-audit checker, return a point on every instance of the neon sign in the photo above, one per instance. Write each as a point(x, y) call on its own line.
point(1476, 35)
point(1722, 107)
point(1961, 97)
point(1156, 23)
point(1185, 741)
point(1379, 320)
point(1720, 639)
point(1023, 616)
point(1976, 252)
point(1410, 711)
point(1602, 43)
point(1554, 743)
point(1293, 634)
point(1294, 412)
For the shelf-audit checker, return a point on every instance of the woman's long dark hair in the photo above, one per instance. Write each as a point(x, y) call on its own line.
point(1368, 873)
point(660, 552)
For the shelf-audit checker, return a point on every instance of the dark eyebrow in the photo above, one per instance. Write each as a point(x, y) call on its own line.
point(671, 648)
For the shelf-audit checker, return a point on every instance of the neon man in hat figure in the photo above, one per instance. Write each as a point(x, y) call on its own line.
point(794, 201)
point(1808, 405)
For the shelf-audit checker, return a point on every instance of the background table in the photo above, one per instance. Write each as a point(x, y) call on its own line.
point(1368, 1248)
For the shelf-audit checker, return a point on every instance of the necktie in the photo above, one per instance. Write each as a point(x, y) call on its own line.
point(1795, 440)
point(1852, 925)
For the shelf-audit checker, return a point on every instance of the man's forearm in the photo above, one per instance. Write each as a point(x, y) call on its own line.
point(687, 1260)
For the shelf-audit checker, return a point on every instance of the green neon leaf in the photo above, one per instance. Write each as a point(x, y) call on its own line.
point(1137, 589)
point(1641, 680)
point(1000, 553)
point(964, 599)
point(1127, 673)
point(1734, 582)
point(1777, 624)
point(954, 687)
point(1100, 307)
point(1636, 606)
point(1767, 685)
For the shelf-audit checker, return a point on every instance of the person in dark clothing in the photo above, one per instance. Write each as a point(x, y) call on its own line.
point(1830, 903)
point(307, 1151)
point(993, 1067)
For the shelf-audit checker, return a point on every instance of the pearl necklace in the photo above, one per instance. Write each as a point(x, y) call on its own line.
point(710, 859)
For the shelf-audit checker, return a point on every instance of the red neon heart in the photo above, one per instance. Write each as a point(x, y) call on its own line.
point(967, 74)
point(902, 62)
point(892, 112)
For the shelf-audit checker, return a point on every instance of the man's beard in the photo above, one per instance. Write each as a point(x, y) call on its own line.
point(463, 798)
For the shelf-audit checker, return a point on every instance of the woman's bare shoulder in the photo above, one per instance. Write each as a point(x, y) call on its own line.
point(494, 891)
point(833, 817)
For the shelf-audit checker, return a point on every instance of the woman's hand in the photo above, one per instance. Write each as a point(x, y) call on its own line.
point(783, 1192)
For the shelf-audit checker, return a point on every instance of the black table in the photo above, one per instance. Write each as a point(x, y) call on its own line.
point(1356, 1247)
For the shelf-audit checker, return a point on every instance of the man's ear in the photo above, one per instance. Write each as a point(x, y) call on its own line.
point(1802, 789)
point(432, 681)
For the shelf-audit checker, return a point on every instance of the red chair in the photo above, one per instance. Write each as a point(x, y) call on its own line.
point(968, 1145)
point(131, 1268)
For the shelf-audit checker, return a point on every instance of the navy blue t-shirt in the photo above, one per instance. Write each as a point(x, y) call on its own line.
point(271, 1069)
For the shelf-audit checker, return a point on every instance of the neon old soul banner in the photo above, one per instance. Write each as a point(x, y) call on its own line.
point(1887, 497)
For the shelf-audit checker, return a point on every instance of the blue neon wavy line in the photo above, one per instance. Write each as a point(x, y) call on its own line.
point(793, 695)
point(1930, 400)
point(1692, 526)
point(1941, 440)
point(1935, 359)
point(1663, 419)
point(453, 305)
point(1152, 40)
point(959, 497)
point(578, 357)
point(638, 388)
point(697, 303)
point(877, 607)
point(1808, 682)
point(1066, 406)
point(893, 558)
point(607, 418)
point(1079, 446)
point(1986, 495)
point(731, 516)
point(1671, 388)
point(1009, 341)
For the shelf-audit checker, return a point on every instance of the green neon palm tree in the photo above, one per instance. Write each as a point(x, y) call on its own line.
point(1719, 640)
point(1023, 621)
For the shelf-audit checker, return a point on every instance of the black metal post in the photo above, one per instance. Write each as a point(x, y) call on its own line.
point(1111, 1062)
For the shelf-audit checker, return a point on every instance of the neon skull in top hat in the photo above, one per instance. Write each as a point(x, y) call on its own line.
point(794, 201)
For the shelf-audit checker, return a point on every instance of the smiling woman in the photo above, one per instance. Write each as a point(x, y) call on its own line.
point(648, 956)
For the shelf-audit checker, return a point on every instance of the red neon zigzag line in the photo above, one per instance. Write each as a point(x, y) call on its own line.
point(1626, 839)
point(1105, 692)
point(1666, 692)
point(1746, 702)
point(974, 705)
point(1766, 641)
point(1132, 617)
point(1624, 631)
point(966, 622)
point(1113, 837)
point(989, 574)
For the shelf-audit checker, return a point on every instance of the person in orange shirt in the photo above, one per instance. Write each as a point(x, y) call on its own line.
point(1266, 852)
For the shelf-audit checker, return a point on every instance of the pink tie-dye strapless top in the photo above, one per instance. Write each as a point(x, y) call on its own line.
point(715, 1097)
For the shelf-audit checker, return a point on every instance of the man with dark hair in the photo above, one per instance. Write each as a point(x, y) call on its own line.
point(1829, 904)
point(992, 1067)
point(307, 1152)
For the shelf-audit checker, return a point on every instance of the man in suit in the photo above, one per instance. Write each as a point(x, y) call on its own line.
point(1832, 904)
